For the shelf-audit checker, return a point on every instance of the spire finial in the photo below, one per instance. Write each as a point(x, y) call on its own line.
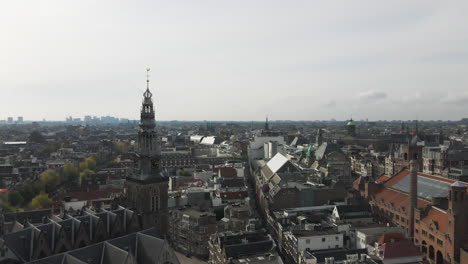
point(147, 77)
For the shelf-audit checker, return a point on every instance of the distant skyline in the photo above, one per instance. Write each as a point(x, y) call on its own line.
point(235, 60)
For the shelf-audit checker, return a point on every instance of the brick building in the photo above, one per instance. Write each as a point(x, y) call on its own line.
point(440, 222)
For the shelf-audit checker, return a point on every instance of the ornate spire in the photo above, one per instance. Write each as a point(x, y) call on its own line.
point(147, 93)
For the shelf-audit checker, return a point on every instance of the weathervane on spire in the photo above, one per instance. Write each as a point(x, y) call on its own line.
point(147, 93)
point(147, 77)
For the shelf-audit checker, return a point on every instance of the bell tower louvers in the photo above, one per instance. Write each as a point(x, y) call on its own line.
point(148, 142)
point(147, 187)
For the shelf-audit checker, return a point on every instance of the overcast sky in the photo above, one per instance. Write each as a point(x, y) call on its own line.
point(235, 60)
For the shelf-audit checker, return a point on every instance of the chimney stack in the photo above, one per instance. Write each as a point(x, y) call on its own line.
point(413, 195)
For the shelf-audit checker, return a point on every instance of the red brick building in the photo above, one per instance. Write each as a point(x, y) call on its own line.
point(440, 214)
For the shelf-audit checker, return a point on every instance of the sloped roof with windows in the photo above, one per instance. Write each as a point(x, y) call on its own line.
point(429, 186)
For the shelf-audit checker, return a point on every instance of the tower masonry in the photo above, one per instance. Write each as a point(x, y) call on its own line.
point(147, 187)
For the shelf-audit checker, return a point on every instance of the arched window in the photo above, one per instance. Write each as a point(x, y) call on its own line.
point(440, 258)
point(424, 247)
point(431, 252)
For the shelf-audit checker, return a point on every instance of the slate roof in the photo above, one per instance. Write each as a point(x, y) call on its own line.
point(36, 216)
point(20, 243)
point(141, 247)
point(23, 242)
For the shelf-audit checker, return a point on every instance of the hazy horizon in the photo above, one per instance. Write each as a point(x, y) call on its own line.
point(242, 60)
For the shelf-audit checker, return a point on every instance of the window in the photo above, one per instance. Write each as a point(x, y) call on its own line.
point(323, 239)
point(336, 238)
point(154, 203)
point(307, 241)
point(439, 242)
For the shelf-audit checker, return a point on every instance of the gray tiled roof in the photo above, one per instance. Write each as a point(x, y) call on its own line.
point(121, 250)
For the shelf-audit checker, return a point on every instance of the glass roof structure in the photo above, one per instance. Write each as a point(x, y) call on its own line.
point(427, 187)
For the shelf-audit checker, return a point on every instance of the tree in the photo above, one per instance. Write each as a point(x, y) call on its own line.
point(51, 179)
point(91, 163)
point(28, 192)
point(38, 187)
point(83, 166)
point(36, 137)
point(85, 173)
point(52, 148)
point(42, 200)
point(119, 148)
point(15, 198)
point(5, 207)
point(71, 173)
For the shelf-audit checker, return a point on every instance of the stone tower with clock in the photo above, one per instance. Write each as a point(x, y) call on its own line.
point(147, 187)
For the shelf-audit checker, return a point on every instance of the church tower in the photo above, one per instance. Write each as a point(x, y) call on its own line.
point(147, 187)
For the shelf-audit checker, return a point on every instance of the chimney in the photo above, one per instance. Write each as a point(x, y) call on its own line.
point(413, 195)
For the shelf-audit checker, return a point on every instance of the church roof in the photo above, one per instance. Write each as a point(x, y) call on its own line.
point(140, 247)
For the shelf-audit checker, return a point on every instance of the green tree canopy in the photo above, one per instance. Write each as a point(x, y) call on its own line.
point(51, 179)
point(53, 148)
point(91, 163)
point(71, 173)
point(6, 208)
point(42, 200)
point(28, 192)
point(120, 147)
point(15, 198)
point(85, 173)
point(83, 166)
